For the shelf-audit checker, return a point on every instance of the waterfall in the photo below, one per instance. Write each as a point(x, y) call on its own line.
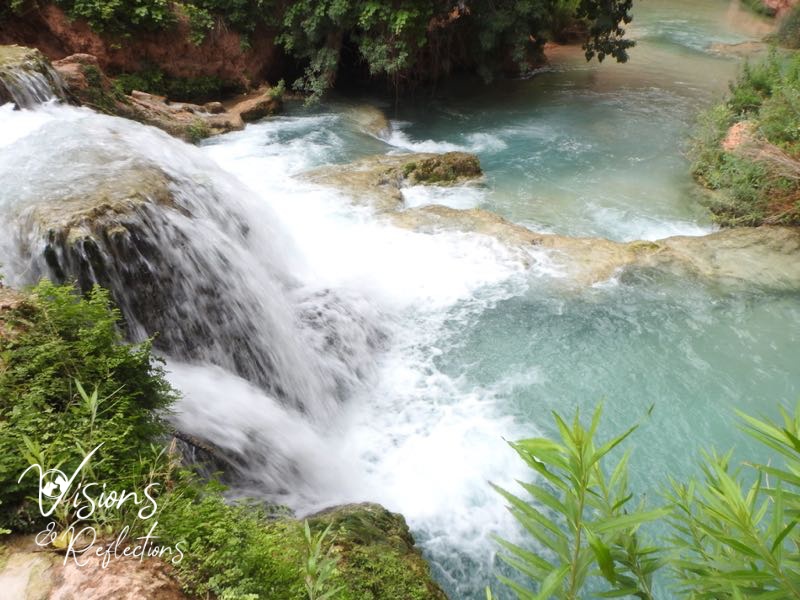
point(27, 78)
point(189, 254)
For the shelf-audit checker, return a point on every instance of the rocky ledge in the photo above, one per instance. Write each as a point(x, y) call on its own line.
point(86, 84)
point(764, 256)
point(378, 181)
point(28, 78)
point(375, 550)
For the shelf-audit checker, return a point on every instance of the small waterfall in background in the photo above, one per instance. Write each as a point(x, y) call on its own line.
point(27, 79)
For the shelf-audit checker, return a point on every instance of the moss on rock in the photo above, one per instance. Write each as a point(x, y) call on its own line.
point(443, 169)
point(378, 558)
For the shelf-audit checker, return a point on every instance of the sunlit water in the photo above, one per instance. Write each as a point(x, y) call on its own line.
point(477, 347)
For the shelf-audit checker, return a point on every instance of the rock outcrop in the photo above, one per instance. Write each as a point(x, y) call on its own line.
point(378, 181)
point(29, 574)
point(765, 256)
point(222, 53)
point(254, 106)
point(88, 85)
point(378, 558)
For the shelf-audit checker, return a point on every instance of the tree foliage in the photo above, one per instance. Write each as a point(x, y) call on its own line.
point(400, 41)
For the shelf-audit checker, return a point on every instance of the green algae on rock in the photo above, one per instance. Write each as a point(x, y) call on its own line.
point(377, 181)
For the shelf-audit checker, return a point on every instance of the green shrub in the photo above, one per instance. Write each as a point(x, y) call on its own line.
point(198, 130)
point(581, 517)
point(760, 184)
point(788, 34)
point(230, 550)
point(44, 415)
point(732, 535)
point(118, 17)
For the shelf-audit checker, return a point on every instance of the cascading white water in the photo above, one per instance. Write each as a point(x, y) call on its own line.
point(29, 82)
point(205, 267)
point(333, 328)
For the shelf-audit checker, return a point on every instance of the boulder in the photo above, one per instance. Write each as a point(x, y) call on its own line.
point(256, 105)
point(29, 574)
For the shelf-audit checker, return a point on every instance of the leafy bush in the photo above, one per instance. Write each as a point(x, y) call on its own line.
point(732, 534)
point(45, 417)
point(788, 34)
point(400, 42)
point(581, 517)
point(118, 17)
point(759, 181)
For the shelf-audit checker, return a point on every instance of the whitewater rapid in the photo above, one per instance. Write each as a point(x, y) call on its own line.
point(309, 268)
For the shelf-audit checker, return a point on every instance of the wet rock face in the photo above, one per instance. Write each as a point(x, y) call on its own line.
point(126, 237)
point(26, 77)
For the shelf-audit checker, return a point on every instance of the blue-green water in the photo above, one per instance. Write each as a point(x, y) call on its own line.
point(483, 349)
point(595, 150)
point(476, 346)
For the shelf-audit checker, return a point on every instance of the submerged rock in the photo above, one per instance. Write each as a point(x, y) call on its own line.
point(377, 181)
point(89, 86)
point(26, 77)
point(764, 256)
point(368, 119)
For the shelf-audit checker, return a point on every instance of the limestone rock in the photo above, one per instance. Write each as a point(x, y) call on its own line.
point(28, 574)
point(255, 106)
point(88, 85)
point(378, 180)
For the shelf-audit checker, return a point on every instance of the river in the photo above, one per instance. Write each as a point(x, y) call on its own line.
point(460, 344)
